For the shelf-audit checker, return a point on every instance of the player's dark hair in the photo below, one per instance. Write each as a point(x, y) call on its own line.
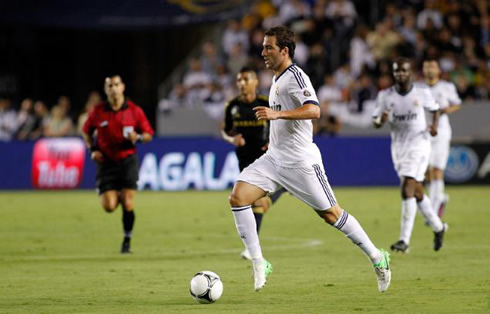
point(432, 60)
point(248, 68)
point(284, 37)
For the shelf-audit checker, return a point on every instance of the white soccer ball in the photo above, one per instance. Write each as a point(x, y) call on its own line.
point(206, 287)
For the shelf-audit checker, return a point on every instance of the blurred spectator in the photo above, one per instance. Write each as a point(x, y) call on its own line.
point(233, 35)
point(93, 99)
point(393, 13)
point(329, 91)
point(65, 103)
point(408, 28)
point(342, 77)
point(302, 52)
point(364, 90)
point(238, 59)
point(8, 120)
point(59, 124)
point(41, 116)
point(327, 124)
point(316, 64)
point(25, 119)
point(196, 83)
point(256, 39)
point(343, 14)
point(429, 13)
point(292, 10)
point(383, 40)
point(210, 58)
point(360, 53)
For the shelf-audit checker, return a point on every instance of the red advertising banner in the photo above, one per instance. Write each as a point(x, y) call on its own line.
point(57, 163)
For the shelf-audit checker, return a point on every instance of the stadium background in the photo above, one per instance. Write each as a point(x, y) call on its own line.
point(61, 48)
point(59, 250)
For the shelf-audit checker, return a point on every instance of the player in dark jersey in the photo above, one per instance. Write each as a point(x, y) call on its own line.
point(120, 125)
point(249, 135)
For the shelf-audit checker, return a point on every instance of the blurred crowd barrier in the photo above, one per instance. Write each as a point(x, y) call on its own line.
point(208, 163)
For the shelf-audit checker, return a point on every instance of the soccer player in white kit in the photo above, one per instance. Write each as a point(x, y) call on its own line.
point(447, 97)
point(403, 105)
point(293, 161)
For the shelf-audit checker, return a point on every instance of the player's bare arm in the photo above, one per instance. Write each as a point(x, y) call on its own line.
point(95, 155)
point(307, 111)
point(451, 109)
point(435, 122)
point(236, 140)
point(379, 121)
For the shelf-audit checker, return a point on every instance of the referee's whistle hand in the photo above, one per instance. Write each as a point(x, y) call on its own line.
point(97, 156)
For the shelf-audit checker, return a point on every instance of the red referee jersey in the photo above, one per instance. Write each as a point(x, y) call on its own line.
point(112, 125)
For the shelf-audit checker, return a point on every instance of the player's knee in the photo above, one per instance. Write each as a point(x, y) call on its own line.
point(331, 215)
point(235, 199)
point(109, 208)
point(127, 204)
point(407, 191)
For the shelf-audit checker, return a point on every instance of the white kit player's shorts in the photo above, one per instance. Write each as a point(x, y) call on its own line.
point(307, 183)
point(439, 153)
point(411, 163)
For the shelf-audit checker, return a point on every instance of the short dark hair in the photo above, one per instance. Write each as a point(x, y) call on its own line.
point(432, 60)
point(247, 68)
point(284, 37)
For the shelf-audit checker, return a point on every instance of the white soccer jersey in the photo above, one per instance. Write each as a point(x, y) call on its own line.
point(406, 115)
point(291, 141)
point(445, 95)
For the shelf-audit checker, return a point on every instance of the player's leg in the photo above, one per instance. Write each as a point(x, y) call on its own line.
point(409, 210)
point(425, 207)
point(310, 184)
point(128, 181)
point(107, 182)
point(109, 200)
point(241, 198)
point(252, 184)
point(437, 165)
point(437, 190)
point(128, 217)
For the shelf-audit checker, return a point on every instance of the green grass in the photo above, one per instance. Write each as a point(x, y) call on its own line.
point(59, 253)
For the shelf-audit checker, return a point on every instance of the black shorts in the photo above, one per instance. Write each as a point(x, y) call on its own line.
point(117, 175)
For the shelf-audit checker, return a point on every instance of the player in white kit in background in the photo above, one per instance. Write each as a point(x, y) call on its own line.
point(293, 161)
point(403, 105)
point(447, 97)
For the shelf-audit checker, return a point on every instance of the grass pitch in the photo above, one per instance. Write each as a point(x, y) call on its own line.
point(59, 253)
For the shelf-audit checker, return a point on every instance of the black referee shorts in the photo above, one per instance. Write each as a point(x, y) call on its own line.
point(117, 175)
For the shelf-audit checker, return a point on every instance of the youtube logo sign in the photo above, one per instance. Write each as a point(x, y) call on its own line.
point(57, 163)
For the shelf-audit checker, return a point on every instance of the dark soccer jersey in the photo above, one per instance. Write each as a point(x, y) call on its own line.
point(240, 119)
point(112, 127)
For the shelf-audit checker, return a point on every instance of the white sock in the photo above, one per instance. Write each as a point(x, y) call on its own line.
point(436, 191)
point(425, 208)
point(349, 225)
point(409, 209)
point(247, 230)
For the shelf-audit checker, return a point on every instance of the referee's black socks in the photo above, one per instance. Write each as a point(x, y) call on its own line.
point(128, 223)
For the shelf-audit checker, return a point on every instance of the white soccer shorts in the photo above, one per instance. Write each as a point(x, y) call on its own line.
point(411, 163)
point(439, 153)
point(307, 183)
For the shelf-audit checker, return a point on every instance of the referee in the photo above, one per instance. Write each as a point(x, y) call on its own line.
point(118, 125)
point(249, 135)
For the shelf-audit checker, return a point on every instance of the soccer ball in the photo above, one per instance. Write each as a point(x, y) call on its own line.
point(206, 287)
